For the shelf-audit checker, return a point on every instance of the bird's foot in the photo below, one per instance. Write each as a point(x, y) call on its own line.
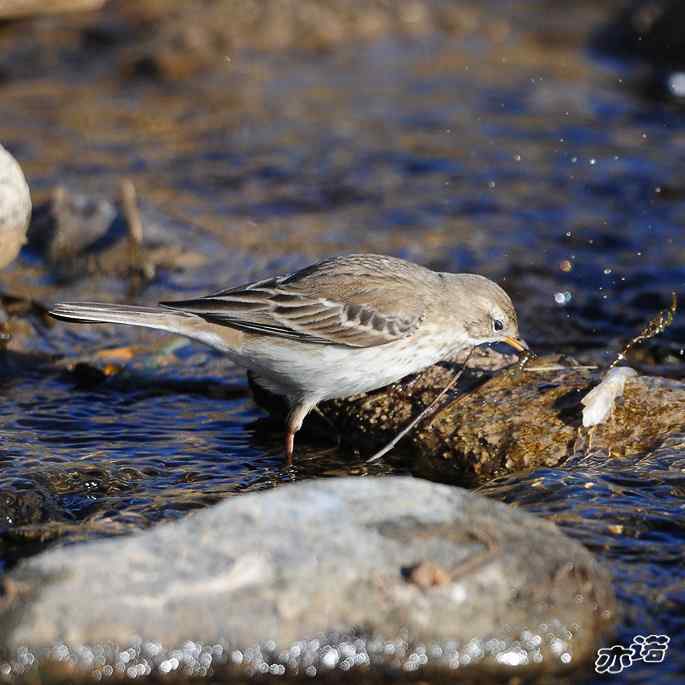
point(289, 446)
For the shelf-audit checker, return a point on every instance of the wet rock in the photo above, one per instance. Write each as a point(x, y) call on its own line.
point(510, 421)
point(384, 573)
point(172, 41)
point(70, 227)
point(182, 41)
point(14, 9)
point(78, 235)
point(15, 208)
point(60, 495)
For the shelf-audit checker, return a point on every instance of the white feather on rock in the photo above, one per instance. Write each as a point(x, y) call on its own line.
point(599, 402)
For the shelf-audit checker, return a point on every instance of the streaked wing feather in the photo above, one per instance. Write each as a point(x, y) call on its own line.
point(360, 313)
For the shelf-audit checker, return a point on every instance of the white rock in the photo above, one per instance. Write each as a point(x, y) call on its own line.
point(599, 402)
point(15, 208)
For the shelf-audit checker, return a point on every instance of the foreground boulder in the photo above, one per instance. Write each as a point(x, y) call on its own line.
point(381, 574)
point(513, 420)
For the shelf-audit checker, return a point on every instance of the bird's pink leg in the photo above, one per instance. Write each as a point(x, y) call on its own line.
point(294, 423)
point(289, 446)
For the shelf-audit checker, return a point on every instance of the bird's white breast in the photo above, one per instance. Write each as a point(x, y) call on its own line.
point(330, 371)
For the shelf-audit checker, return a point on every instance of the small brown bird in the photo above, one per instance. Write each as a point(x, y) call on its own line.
point(337, 328)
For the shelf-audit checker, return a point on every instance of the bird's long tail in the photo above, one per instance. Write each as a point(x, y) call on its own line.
point(161, 318)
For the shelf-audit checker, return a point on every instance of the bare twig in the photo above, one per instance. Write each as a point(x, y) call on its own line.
point(426, 412)
point(129, 203)
point(558, 367)
point(655, 327)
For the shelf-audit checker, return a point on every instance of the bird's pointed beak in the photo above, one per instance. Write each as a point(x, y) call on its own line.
point(518, 344)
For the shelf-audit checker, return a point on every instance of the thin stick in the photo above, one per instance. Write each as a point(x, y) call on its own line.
point(428, 410)
point(131, 212)
point(141, 270)
point(655, 327)
point(557, 367)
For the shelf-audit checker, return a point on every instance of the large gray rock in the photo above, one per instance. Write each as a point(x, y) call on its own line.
point(392, 572)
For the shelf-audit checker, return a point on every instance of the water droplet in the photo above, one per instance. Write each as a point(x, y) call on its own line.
point(676, 84)
point(593, 162)
point(492, 184)
point(517, 158)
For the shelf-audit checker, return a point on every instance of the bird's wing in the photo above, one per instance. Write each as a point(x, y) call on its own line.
point(362, 303)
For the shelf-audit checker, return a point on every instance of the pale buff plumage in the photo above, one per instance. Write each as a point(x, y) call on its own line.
point(343, 326)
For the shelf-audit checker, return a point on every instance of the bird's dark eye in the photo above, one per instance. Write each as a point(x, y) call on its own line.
point(498, 325)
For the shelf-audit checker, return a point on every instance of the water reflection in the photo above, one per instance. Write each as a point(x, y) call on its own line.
point(629, 512)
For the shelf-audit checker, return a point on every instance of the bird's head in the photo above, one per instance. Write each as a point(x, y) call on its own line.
point(484, 311)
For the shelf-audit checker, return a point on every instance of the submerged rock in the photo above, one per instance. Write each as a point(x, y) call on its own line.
point(70, 227)
point(514, 420)
point(380, 573)
point(81, 235)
